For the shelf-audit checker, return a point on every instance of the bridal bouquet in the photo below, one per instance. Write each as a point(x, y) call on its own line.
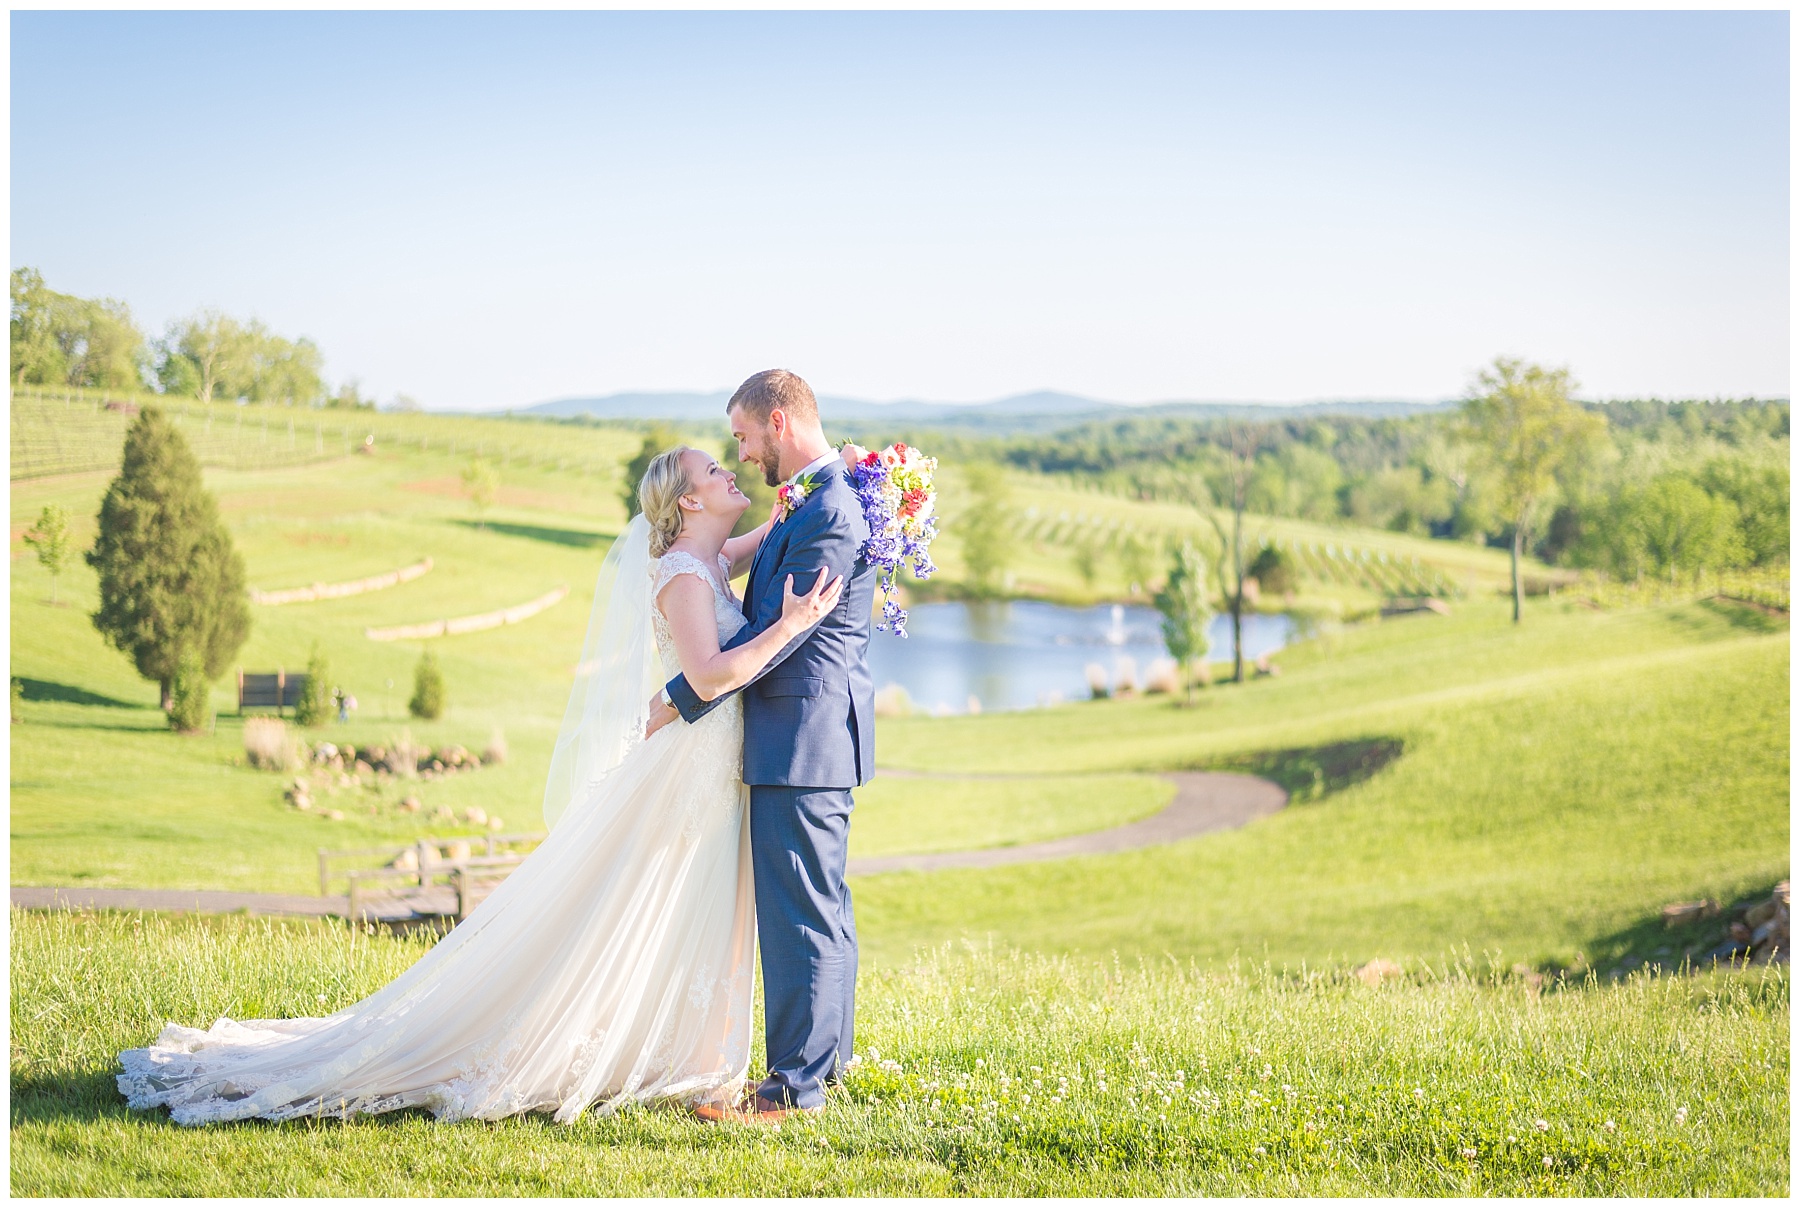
point(898, 495)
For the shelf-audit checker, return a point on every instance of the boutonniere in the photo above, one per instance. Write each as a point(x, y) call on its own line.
point(793, 494)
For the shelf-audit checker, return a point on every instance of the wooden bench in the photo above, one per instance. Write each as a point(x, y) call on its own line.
point(263, 690)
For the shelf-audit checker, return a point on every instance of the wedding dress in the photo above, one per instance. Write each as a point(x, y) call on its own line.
point(614, 964)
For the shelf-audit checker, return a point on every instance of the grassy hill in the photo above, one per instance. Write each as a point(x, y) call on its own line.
point(1470, 796)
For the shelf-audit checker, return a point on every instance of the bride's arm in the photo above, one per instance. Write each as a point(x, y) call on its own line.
point(686, 602)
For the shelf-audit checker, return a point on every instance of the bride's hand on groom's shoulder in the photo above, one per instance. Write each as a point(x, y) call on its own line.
point(801, 612)
point(853, 453)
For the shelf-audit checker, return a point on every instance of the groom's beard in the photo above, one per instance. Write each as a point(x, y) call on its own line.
point(771, 473)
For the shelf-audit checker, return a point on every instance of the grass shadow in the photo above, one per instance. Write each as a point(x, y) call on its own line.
point(574, 538)
point(1740, 615)
point(89, 1095)
point(68, 694)
point(1313, 773)
point(1650, 943)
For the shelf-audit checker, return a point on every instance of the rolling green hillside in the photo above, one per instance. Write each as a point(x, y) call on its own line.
point(1476, 802)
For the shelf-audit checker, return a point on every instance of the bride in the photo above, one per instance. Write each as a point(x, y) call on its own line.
point(614, 964)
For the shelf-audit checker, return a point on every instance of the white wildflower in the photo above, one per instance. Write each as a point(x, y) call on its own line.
point(1609, 1126)
point(1681, 1114)
point(1541, 1125)
point(1469, 1153)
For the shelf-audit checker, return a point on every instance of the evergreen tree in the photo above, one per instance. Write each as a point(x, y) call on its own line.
point(659, 438)
point(1273, 571)
point(170, 579)
point(428, 689)
point(314, 706)
point(190, 695)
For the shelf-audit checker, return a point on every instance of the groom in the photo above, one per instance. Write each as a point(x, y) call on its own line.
point(809, 738)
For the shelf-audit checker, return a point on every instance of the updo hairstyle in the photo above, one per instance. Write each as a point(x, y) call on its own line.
point(659, 495)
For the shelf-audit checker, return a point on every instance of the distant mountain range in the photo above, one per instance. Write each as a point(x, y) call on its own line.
point(1043, 410)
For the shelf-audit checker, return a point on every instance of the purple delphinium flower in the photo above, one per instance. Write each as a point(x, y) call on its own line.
point(890, 546)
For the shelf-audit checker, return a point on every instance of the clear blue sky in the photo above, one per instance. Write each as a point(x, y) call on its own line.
point(487, 210)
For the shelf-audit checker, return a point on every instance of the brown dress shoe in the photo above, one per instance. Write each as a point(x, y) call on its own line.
point(721, 1113)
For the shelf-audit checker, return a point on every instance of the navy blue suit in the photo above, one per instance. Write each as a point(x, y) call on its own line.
point(809, 738)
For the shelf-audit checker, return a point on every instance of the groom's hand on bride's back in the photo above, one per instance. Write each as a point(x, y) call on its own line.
point(661, 714)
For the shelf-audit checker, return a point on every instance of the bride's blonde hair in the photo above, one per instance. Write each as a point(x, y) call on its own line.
point(659, 495)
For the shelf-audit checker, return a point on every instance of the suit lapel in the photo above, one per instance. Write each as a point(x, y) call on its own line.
point(753, 586)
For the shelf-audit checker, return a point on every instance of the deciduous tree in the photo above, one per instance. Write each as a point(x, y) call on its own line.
point(982, 530)
point(50, 538)
point(1525, 428)
point(1185, 612)
point(481, 482)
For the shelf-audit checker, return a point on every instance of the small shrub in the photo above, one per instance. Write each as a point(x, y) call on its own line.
point(268, 745)
point(403, 757)
point(428, 689)
point(496, 748)
point(189, 695)
point(314, 706)
point(1274, 571)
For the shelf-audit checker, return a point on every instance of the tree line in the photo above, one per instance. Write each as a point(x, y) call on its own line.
point(59, 339)
point(1637, 488)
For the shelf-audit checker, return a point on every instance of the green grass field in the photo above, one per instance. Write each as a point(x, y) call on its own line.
point(1556, 783)
point(1013, 1075)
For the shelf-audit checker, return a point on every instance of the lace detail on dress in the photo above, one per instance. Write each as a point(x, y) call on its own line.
point(725, 607)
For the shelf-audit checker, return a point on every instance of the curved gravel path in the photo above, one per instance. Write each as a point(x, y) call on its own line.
point(1205, 802)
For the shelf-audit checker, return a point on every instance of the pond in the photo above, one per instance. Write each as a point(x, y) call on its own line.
point(1017, 654)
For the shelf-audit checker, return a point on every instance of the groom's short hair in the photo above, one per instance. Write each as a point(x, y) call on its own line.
point(762, 392)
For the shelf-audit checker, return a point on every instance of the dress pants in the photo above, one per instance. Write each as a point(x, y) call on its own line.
point(798, 847)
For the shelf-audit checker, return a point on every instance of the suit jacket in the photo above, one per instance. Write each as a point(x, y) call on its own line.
point(809, 714)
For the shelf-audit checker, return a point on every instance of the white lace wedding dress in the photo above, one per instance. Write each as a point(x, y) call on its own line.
point(614, 964)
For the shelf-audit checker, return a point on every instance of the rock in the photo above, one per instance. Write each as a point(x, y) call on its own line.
point(364, 768)
point(302, 801)
point(459, 849)
point(1162, 675)
point(475, 816)
point(1740, 933)
point(1378, 971)
point(406, 861)
point(1679, 914)
point(1760, 913)
point(893, 701)
point(444, 813)
point(335, 815)
point(1099, 687)
point(496, 747)
point(410, 805)
point(494, 824)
